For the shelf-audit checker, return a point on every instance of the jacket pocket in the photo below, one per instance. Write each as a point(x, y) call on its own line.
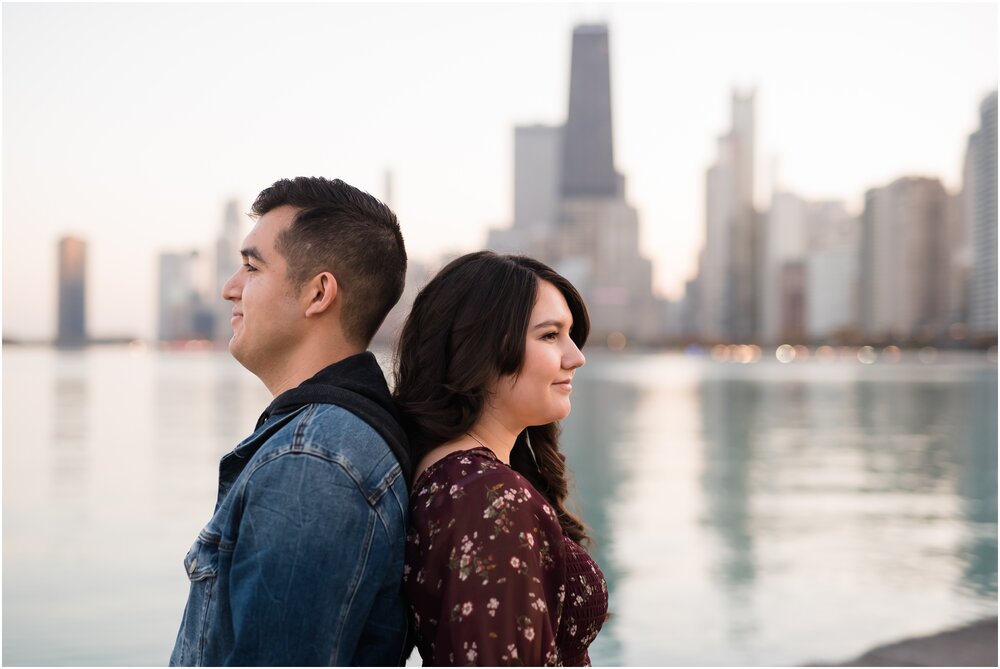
point(201, 564)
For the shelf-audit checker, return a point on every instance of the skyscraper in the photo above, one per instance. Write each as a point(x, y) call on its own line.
point(596, 235)
point(904, 260)
point(570, 208)
point(783, 247)
point(227, 261)
point(983, 288)
point(729, 273)
point(588, 166)
point(72, 327)
point(831, 273)
point(183, 313)
point(537, 174)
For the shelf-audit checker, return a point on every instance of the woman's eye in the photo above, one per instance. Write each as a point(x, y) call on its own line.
point(550, 336)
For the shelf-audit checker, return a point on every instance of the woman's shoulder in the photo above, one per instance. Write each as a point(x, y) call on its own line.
point(476, 480)
point(472, 468)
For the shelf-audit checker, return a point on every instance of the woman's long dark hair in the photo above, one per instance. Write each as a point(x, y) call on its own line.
point(468, 328)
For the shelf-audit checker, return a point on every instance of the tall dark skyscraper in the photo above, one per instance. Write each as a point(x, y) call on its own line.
point(588, 167)
point(72, 329)
point(570, 208)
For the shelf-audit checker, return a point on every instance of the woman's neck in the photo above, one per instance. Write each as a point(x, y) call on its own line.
point(495, 436)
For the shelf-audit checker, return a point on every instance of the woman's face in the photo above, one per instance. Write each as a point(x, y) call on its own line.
point(539, 394)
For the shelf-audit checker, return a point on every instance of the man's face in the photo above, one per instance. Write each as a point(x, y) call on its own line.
point(267, 319)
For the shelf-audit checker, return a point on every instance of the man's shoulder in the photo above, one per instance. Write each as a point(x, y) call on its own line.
point(333, 432)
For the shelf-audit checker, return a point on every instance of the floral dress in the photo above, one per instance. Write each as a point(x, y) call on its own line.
point(490, 577)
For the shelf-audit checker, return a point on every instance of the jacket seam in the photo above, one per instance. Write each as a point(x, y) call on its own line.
point(300, 443)
point(355, 585)
point(287, 452)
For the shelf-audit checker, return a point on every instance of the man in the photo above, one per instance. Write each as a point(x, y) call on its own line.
point(302, 561)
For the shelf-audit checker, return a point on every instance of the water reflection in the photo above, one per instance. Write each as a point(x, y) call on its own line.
point(743, 514)
point(594, 438)
point(68, 458)
point(977, 485)
point(730, 421)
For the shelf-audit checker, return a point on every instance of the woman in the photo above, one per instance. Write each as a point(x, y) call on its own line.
point(495, 572)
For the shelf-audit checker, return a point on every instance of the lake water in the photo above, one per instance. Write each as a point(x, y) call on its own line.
point(759, 514)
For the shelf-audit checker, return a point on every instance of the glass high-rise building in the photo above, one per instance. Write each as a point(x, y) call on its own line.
point(983, 288)
point(72, 322)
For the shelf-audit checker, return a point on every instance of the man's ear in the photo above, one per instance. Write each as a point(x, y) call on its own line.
point(320, 293)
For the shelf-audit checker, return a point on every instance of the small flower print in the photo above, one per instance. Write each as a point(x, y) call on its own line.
point(520, 551)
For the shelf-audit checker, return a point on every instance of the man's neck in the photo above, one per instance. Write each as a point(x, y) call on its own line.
point(305, 366)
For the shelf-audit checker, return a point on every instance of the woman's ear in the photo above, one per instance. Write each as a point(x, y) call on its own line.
point(320, 293)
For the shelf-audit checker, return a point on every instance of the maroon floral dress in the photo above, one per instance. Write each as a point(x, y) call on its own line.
point(490, 577)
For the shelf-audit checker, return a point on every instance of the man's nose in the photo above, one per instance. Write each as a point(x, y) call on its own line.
point(233, 289)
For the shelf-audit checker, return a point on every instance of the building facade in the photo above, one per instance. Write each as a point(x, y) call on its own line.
point(570, 209)
point(72, 316)
point(184, 314)
point(729, 272)
point(983, 201)
point(227, 261)
point(905, 261)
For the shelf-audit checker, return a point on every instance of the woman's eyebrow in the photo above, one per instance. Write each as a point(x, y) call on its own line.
point(550, 323)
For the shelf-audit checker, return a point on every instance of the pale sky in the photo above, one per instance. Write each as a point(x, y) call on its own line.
point(131, 124)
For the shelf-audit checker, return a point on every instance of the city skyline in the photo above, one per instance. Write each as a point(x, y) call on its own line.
point(150, 184)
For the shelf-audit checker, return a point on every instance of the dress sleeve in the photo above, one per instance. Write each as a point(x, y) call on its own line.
point(493, 555)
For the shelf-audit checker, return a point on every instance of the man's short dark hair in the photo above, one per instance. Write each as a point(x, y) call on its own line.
point(347, 232)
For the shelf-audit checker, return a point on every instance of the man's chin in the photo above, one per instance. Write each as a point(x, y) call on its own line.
point(236, 350)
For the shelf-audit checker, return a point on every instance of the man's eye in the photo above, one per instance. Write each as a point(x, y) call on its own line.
point(249, 267)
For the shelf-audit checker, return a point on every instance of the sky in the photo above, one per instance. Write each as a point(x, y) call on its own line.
point(132, 124)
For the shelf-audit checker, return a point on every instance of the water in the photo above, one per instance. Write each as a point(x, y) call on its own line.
point(760, 514)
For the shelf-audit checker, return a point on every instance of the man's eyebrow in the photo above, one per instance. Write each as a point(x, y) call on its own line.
point(252, 252)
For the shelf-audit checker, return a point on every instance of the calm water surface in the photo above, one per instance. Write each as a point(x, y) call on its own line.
point(760, 514)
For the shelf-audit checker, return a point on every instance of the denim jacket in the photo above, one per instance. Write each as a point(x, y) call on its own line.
point(302, 561)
